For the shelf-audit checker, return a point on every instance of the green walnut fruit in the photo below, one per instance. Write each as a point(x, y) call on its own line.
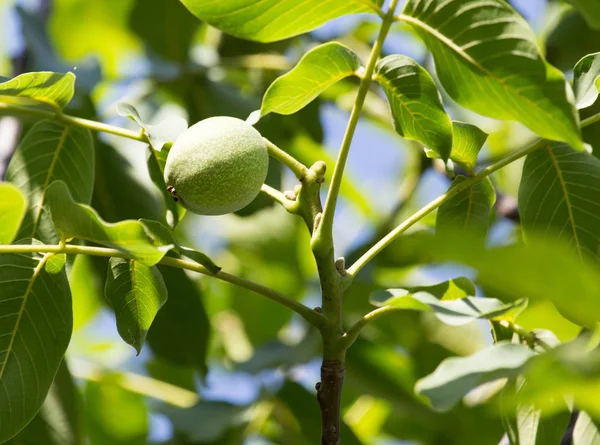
point(217, 166)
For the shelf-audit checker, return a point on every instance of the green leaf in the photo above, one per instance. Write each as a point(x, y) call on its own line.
point(161, 135)
point(526, 424)
point(543, 269)
point(42, 90)
point(166, 27)
point(469, 210)
point(136, 293)
point(181, 330)
point(487, 59)
point(156, 161)
point(115, 415)
point(55, 263)
point(467, 141)
point(456, 376)
point(74, 220)
point(559, 193)
point(34, 334)
point(570, 371)
point(454, 289)
point(163, 236)
point(114, 174)
point(59, 421)
point(453, 312)
point(590, 10)
point(42, 53)
point(320, 68)
point(415, 103)
point(51, 151)
point(586, 431)
point(586, 82)
point(271, 20)
point(87, 288)
point(570, 40)
point(12, 211)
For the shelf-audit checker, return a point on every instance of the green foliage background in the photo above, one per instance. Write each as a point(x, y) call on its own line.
point(221, 365)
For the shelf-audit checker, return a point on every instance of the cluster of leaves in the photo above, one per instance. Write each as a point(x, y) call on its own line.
point(487, 60)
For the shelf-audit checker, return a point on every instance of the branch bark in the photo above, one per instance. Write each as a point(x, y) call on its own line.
point(329, 395)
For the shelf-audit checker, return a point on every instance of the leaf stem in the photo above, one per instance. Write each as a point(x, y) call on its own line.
point(424, 211)
point(528, 336)
point(323, 237)
point(74, 121)
point(352, 334)
point(427, 209)
point(314, 318)
point(286, 159)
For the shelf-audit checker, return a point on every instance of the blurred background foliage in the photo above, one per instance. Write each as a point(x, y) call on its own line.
point(223, 365)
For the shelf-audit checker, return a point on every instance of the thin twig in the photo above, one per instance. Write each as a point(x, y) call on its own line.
point(311, 316)
point(72, 120)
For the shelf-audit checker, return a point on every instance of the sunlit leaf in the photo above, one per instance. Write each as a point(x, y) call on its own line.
point(74, 220)
point(453, 289)
point(469, 210)
point(181, 330)
point(453, 312)
point(415, 103)
point(79, 28)
point(320, 68)
point(12, 211)
point(272, 20)
point(42, 89)
point(51, 151)
point(586, 431)
point(161, 135)
point(42, 55)
point(586, 82)
point(34, 334)
point(467, 140)
point(456, 376)
point(87, 289)
point(136, 293)
point(560, 194)
point(590, 10)
point(487, 60)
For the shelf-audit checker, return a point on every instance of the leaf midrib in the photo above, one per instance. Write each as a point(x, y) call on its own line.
point(442, 38)
point(61, 143)
point(565, 191)
point(34, 276)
